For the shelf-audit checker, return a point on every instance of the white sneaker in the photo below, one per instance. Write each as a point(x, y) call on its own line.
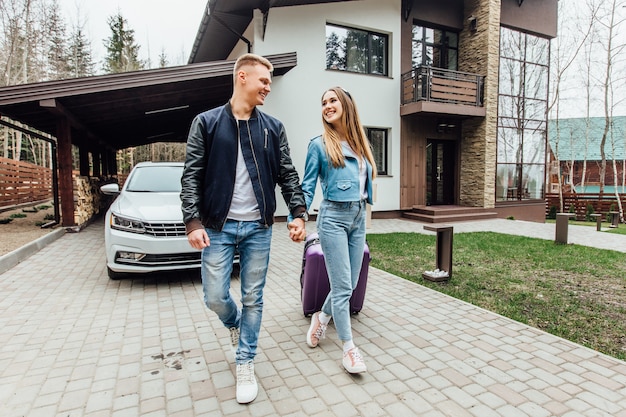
point(247, 388)
point(317, 331)
point(234, 339)
point(353, 361)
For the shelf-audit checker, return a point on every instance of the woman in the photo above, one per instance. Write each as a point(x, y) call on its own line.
point(342, 160)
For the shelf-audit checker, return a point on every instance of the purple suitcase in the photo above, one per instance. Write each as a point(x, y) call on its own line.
point(314, 278)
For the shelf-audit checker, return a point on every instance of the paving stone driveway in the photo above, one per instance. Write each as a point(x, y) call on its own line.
point(74, 343)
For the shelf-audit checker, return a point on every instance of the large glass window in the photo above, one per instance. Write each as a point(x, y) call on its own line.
point(435, 47)
point(356, 50)
point(522, 115)
point(378, 140)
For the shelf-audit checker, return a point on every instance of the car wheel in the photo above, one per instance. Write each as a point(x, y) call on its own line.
point(114, 275)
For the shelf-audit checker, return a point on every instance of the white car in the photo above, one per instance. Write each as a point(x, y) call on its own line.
point(144, 229)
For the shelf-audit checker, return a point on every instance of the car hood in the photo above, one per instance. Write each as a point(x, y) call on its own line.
point(155, 207)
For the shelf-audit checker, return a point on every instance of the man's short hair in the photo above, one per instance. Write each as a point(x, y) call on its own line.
point(252, 59)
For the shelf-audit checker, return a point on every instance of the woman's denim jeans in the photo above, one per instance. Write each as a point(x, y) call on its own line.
point(341, 228)
point(252, 241)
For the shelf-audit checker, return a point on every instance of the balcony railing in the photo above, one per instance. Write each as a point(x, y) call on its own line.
point(442, 86)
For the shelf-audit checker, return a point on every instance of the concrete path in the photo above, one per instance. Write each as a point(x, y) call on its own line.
point(74, 343)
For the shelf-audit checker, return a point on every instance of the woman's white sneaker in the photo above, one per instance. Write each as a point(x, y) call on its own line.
point(317, 331)
point(353, 361)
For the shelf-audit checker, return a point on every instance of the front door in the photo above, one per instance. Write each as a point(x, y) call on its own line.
point(440, 168)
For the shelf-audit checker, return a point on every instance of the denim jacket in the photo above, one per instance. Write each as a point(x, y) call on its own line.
point(338, 184)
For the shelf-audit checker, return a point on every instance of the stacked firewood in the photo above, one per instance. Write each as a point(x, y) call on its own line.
point(86, 198)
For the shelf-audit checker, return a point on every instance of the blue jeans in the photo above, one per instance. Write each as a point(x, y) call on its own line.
point(341, 229)
point(252, 241)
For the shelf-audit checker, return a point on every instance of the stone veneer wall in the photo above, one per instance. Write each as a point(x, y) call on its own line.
point(480, 53)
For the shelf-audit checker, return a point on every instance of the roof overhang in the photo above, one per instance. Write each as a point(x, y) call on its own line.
point(225, 21)
point(128, 109)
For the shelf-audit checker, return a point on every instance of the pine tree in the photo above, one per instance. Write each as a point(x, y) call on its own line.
point(335, 52)
point(80, 62)
point(122, 51)
point(57, 53)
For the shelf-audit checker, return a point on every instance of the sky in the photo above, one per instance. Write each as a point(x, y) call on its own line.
point(158, 24)
point(172, 26)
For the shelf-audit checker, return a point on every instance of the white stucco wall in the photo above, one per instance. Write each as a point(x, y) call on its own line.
point(295, 97)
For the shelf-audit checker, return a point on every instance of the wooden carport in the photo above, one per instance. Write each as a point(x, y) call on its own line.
point(102, 114)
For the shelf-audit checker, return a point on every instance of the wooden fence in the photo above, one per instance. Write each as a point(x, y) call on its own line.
point(23, 182)
point(601, 203)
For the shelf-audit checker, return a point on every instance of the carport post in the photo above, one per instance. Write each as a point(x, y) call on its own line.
point(66, 183)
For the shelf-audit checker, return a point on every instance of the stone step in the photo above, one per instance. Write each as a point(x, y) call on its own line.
point(448, 214)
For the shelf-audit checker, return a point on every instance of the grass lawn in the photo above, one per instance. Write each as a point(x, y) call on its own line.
point(572, 291)
point(621, 230)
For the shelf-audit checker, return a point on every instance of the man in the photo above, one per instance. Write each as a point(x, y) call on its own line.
point(236, 155)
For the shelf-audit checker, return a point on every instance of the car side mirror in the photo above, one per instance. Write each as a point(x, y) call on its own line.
point(110, 189)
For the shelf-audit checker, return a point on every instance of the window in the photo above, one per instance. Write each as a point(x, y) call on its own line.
point(356, 50)
point(435, 48)
point(379, 142)
point(522, 116)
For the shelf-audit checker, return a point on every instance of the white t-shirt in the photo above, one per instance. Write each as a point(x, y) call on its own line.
point(243, 206)
point(347, 150)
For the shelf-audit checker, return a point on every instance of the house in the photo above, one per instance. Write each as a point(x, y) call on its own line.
point(575, 147)
point(453, 95)
point(438, 86)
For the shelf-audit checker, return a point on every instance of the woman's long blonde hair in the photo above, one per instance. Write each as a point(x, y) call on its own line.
point(355, 134)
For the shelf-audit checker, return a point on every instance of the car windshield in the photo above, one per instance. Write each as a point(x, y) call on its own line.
point(163, 178)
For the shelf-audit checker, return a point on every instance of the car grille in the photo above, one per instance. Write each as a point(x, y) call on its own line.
point(165, 229)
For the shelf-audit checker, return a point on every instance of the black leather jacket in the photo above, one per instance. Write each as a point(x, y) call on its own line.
point(208, 178)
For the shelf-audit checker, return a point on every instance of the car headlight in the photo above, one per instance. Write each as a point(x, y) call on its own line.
point(125, 224)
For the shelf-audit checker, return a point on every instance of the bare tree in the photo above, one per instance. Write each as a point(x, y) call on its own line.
point(14, 45)
point(614, 135)
point(610, 23)
point(34, 47)
point(587, 69)
point(565, 52)
point(163, 62)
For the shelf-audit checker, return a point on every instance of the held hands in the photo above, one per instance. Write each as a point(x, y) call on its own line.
point(297, 231)
point(198, 239)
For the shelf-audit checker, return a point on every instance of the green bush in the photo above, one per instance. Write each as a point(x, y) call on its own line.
point(552, 213)
point(589, 212)
point(6, 220)
point(17, 215)
point(608, 216)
